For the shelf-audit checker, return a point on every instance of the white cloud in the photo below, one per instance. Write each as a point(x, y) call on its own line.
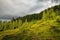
point(24, 7)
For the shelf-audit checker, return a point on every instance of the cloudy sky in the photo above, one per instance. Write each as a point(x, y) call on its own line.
point(24, 7)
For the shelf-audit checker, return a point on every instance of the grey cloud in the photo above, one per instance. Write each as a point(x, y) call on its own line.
point(43, 0)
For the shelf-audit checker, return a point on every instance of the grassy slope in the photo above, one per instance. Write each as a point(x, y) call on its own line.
point(47, 28)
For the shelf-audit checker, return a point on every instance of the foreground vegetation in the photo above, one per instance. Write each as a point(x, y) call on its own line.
point(42, 26)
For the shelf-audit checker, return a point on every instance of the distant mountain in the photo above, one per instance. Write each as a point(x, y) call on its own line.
point(7, 17)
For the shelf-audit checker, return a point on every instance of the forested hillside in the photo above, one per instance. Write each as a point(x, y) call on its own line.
point(41, 26)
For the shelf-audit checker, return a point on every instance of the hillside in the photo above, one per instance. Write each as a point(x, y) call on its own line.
point(42, 26)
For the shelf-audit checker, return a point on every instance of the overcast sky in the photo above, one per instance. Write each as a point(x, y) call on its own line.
point(24, 7)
